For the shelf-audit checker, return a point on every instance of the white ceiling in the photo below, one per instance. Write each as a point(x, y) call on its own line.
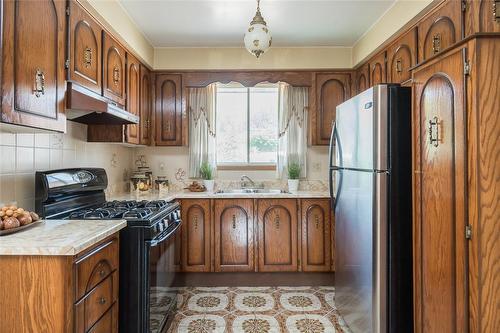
point(215, 23)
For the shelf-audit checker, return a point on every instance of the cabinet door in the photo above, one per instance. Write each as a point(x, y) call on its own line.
point(168, 118)
point(84, 49)
point(33, 54)
point(332, 89)
point(440, 29)
point(378, 72)
point(113, 70)
point(145, 106)
point(362, 78)
point(234, 236)
point(482, 16)
point(315, 235)
point(440, 264)
point(195, 235)
point(277, 224)
point(133, 82)
point(401, 56)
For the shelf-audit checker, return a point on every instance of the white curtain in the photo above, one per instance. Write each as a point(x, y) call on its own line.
point(292, 145)
point(202, 147)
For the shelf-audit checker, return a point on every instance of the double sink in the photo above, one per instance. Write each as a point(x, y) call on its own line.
point(251, 191)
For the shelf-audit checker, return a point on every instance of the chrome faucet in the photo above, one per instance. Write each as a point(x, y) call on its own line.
point(244, 183)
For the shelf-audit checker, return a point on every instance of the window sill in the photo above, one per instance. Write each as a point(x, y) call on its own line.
point(251, 167)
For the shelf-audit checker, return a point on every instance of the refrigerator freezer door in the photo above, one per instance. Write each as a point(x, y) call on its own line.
point(360, 237)
point(361, 131)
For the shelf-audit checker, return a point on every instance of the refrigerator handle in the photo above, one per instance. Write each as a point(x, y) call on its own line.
point(332, 142)
point(337, 194)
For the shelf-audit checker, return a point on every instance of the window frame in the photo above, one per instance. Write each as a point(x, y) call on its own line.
point(270, 166)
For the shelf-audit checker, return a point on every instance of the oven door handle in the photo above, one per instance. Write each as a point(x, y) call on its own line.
point(161, 237)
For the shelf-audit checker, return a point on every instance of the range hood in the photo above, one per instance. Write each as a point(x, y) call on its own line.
point(86, 107)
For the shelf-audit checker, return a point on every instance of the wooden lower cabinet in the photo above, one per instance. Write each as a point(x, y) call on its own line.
point(316, 236)
point(277, 244)
point(195, 235)
point(234, 235)
point(61, 294)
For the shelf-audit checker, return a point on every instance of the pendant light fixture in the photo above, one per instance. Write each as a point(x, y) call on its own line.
point(257, 37)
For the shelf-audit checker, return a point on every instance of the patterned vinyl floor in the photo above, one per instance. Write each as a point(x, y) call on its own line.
point(257, 310)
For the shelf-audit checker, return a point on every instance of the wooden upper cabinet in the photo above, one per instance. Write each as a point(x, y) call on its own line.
point(168, 111)
point(316, 235)
point(332, 89)
point(113, 70)
point(234, 235)
point(195, 235)
point(401, 56)
point(440, 261)
point(33, 54)
point(85, 50)
point(482, 16)
point(378, 72)
point(145, 104)
point(133, 97)
point(440, 29)
point(277, 224)
point(362, 79)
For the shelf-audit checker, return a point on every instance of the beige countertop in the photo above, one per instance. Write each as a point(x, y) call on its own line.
point(59, 237)
point(214, 195)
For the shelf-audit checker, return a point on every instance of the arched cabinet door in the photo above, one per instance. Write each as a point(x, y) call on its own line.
point(378, 72)
point(440, 264)
point(195, 235)
point(277, 224)
point(85, 49)
point(234, 235)
point(482, 16)
point(133, 97)
point(145, 106)
point(440, 29)
point(113, 70)
point(168, 112)
point(362, 81)
point(401, 56)
point(316, 235)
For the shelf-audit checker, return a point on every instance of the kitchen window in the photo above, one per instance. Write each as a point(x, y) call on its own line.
point(247, 125)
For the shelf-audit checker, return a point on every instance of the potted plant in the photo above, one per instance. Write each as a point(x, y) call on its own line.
point(207, 175)
point(293, 176)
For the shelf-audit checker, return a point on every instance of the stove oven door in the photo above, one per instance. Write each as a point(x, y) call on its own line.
point(161, 294)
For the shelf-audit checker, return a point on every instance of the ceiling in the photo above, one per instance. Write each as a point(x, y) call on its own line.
point(215, 23)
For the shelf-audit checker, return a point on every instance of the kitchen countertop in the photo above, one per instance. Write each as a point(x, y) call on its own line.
point(213, 195)
point(59, 237)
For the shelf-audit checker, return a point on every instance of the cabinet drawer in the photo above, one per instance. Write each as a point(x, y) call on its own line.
point(108, 323)
point(95, 266)
point(91, 308)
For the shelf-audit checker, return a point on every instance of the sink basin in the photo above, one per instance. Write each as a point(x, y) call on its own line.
point(252, 191)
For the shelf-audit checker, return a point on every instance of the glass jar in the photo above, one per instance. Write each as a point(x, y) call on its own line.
point(161, 184)
point(139, 183)
point(148, 173)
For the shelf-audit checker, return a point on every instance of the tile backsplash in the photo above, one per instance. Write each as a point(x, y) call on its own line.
point(24, 153)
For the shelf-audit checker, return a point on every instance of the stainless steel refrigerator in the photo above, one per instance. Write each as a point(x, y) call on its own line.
point(370, 184)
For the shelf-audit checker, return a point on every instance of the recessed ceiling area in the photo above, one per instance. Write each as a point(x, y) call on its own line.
point(215, 23)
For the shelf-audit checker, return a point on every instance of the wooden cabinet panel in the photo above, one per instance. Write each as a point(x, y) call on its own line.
point(145, 106)
point(85, 51)
point(234, 235)
point(277, 224)
point(133, 94)
point(331, 89)
point(362, 80)
point(315, 235)
point(33, 54)
point(440, 283)
point(482, 16)
point(401, 56)
point(168, 113)
point(113, 70)
point(440, 29)
point(378, 72)
point(108, 323)
point(196, 235)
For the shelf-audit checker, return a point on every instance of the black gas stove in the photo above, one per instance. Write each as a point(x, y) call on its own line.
point(147, 244)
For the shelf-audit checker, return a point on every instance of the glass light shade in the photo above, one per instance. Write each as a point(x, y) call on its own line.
point(257, 39)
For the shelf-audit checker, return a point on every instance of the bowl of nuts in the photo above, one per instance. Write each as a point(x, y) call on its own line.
point(14, 219)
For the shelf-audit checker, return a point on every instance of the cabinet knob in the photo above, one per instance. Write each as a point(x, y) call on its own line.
point(101, 300)
point(434, 136)
point(277, 221)
point(234, 221)
point(87, 57)
point(496, 11)
point(436, 43)
point(102, 273)
point(399, 66)
point(195, 220)
point(116, 75)
point(39, 87)
point(316, 219)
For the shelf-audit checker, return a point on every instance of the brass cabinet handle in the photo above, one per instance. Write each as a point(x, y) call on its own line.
point(167, 126)
point(234, 221)
point(102, 273)
point(496, 14)
point(436, 43)
point(196, 221)
point(399, 66)
point(116, 75)
point(277, 221)
point(316, 219)
point(102, 300)
point(87, 57)
point(434, 136)
point(39, 87)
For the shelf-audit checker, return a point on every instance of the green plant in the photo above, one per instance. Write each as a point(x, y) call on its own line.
point(294, 170)
point(206, 171)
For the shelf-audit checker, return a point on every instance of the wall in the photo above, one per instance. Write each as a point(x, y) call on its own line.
point(240, 58)
point(24, 153)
